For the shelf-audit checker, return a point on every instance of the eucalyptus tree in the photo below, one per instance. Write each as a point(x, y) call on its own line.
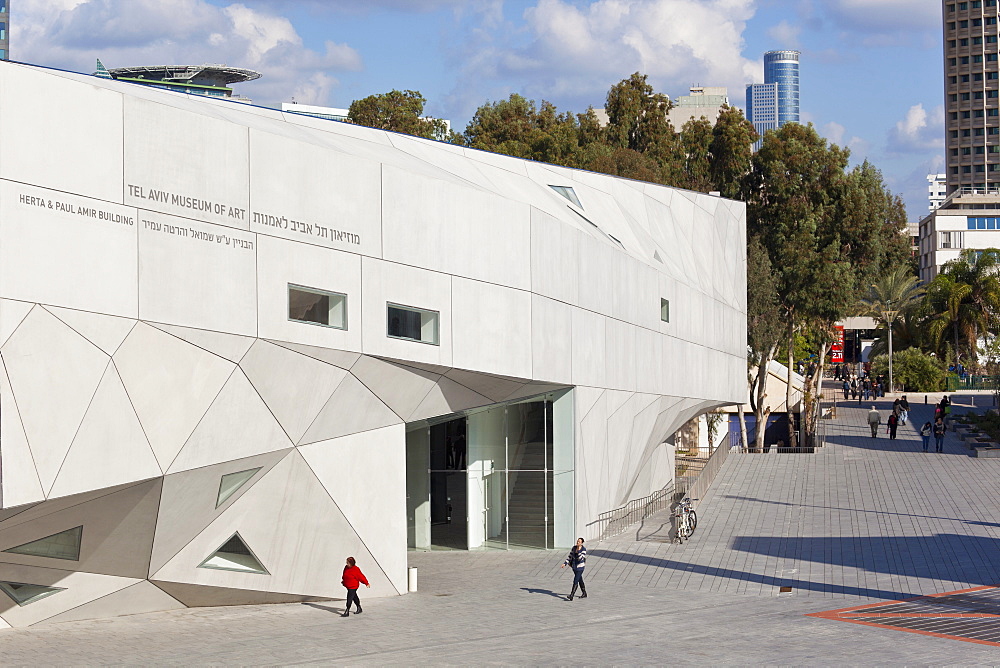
point(827, 232)
point(398, 111)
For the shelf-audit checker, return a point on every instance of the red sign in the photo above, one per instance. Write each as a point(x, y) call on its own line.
point(837, 349)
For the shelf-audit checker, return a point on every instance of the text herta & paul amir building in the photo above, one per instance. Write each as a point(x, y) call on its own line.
point(239, 345)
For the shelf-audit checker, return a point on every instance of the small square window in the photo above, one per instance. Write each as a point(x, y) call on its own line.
point(665, 310)
point(413, 324)
point(317, 307)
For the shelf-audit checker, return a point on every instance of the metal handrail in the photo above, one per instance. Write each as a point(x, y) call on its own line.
point(617, 521)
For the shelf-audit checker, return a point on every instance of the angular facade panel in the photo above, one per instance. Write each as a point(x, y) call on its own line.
point(228, 375)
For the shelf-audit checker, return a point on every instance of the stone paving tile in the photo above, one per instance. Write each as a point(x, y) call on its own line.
point(861, 520)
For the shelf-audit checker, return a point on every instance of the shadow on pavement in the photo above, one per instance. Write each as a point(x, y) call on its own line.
point(859, 510)
point(324, 607)
point(948, 557)
point(956, 557)
point(549, 592)
point(732, 574)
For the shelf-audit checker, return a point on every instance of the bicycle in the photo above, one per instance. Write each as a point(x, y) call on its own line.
point(686, 519)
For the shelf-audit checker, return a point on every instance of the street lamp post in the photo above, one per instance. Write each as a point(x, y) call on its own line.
point(889, 316)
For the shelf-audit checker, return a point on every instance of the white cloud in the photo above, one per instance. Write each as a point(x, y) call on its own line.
point(834, 132)
point(918, 131)
point(785, 34)
point(72, 34)
point(573, 50)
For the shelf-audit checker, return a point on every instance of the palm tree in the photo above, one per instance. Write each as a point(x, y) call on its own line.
point(965, 299)
point(898, 292)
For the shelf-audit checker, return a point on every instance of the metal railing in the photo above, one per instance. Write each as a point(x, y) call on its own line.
point(695, 486)
point(617, 521)
point(957, 384)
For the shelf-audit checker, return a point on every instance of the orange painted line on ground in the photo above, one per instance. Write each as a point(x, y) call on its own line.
point(923, 633)
point(917, 615)
point(905, 600)
point(854, 615)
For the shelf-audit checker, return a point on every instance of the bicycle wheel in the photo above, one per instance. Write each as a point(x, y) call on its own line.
point(683, 529)
point(693, 520)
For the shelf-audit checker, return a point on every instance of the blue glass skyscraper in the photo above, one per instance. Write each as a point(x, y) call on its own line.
point(776, 101)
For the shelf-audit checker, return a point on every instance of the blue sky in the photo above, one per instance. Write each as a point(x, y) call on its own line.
point(871, 69)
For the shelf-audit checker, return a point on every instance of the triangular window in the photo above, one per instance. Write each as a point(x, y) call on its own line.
point(231, 483)
point(568, 193)
point(234, 555)
point(23, 594)
point(62, 545)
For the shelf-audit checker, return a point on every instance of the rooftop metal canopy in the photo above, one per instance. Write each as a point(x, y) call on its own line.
point(212, 75)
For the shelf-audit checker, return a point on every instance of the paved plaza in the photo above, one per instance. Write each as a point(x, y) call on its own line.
point(781, 536)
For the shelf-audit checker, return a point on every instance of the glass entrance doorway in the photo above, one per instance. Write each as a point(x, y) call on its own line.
point(497, 477)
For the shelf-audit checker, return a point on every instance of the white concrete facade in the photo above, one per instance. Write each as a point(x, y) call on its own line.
point(147, 245)
point(966, 220)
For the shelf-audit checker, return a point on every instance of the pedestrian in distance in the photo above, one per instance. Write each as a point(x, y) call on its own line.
point(895, 406)
point(577, 560)
point(847, 389)
point(925, 434)
point(904, 406)
point(874, 420)
point(890, 426)
point(352, 579)
point(939, 435)
point(854, 388)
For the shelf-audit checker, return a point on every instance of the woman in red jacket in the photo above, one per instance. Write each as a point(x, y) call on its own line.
point(353, 577)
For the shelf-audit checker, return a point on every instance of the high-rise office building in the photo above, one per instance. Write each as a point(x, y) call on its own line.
point(937, 190)
point(972, 105)
point(969, 216)
point(776, 101)
point(4, 27)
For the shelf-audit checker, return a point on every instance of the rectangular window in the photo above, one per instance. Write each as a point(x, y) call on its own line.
point(962, 6)
point(991, 20)
point(993, 112)
point(412, 324)
point(977, 22)
point(665, 310)
point(991, 58)
point(976, 4)
point(317, 307)
point(944, 240)
point(978, 95)
point(963, 24)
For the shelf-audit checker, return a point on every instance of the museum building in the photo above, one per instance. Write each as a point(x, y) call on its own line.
point(239, 345)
